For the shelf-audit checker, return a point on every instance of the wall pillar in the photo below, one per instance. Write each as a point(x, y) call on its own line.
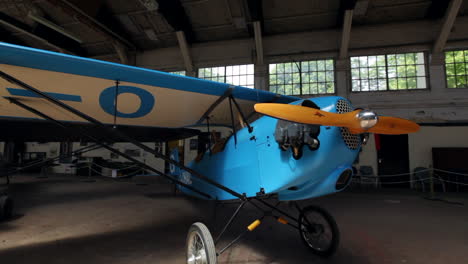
point(261, 77)
point(437, 73)
point(342, 75)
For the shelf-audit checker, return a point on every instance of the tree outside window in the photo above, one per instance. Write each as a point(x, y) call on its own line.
point(242, 75)
point(388, 72)
point(456, 68)
point(303, 78)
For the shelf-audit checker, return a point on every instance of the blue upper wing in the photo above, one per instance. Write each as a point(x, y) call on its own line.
point(110, 91)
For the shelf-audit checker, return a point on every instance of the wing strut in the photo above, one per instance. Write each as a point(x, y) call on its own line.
point(119, 134)
point(106, 146)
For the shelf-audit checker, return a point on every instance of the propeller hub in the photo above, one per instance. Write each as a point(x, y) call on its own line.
point(367, 119)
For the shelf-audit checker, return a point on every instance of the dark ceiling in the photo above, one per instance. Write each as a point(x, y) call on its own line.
point(101, 28)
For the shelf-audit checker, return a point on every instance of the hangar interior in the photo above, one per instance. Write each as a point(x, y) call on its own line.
point(404, 58)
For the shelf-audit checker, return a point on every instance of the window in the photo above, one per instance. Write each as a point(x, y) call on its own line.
point(456, 68)
point(302, 78)
point(178, 73)
point(388, 72)
point(242, 75)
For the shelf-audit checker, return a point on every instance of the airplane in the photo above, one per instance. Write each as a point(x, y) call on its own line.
point(281, 147)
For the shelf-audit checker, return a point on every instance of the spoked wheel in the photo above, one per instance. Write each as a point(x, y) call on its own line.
point(6, 207)
point(318, 231)
point(200, 245)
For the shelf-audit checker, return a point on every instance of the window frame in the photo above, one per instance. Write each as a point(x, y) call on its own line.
point(426, 71)
point(333, 59)
point(174, 72)
point(445, 69)
point(225, 75)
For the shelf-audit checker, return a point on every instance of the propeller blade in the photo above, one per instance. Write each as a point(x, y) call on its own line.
point(307, 115)
point(393, 126)
point(358, 121)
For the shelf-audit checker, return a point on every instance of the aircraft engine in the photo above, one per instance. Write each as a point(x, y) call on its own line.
point(290, 134)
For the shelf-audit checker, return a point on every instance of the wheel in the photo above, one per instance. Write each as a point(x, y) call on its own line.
point(200, 245)
point(6, 207)
point(318, 231)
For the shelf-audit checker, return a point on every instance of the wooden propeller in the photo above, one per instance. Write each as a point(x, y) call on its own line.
point(358, 121)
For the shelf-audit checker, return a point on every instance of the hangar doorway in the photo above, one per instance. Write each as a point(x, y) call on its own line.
point(393, 158)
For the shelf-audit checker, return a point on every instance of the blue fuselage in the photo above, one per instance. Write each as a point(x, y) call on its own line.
point(256, 164)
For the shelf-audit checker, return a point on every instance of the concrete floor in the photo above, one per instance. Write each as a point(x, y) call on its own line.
point(62, 219)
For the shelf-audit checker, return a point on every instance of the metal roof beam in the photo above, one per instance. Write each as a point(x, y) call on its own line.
point(258, 41)
point(346, 33)
point(72, 10)
point(449, 20)
point(184, 49)
point(174, 13)
point(25, 29)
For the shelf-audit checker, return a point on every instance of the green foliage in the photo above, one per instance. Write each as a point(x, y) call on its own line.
point(388, 72)
point(302, 78)
point(456, 68)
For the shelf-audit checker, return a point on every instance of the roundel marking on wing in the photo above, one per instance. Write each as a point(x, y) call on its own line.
point(107, 101)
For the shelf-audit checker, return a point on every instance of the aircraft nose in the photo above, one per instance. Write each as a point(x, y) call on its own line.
point(367, 119)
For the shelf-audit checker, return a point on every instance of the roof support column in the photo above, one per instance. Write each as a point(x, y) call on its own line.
point(261, 69)
point(342, 64)
point(184, 50)
point(258, 41)
point(437, 73)
point(261, 77)
point(342, 75)
point(447, 25)
point(346, 33)
point(437, 58)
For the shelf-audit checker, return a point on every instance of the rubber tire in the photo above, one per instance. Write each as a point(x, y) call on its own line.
point(6, 207)
point(334, 230)
point(205, 235)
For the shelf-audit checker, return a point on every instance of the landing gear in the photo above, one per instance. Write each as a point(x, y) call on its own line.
point(316, 227)
point(318, 231)
point(200, 245)
point(6, 207)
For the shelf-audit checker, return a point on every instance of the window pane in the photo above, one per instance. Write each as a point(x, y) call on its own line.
point(402, 84)
point(449, 57)
point(354, 62)
point(373, 73)
point(411, 70)
point(460, 69)
point(355, 73)
point(450, 69)
point(373, 85)
point(461, 82)
point(356, 86)
point(412, 83)
point(381, 60)
point(421, 82)
point(401, 71)
point(451, 83)
point(329, 65)
point(392, 83)
point(381, 72)
point(382, 85)
point(400, 59)
point(391, 60)
point(320, 65)
point(363, 61)
point(459, 56)
point(306, 77)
